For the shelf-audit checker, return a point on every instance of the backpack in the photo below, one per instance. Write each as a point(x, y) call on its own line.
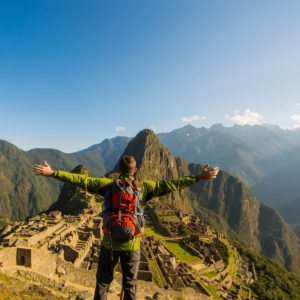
point(122, 215)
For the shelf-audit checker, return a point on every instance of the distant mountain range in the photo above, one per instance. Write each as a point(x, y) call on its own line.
point(266, 158)
point(226, 203)
point(22, 194)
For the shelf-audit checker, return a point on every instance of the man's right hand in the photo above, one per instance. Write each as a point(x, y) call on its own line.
point(45, 170)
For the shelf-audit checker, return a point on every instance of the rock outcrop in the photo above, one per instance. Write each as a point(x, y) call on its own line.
point(155, 162)
point(73, 200)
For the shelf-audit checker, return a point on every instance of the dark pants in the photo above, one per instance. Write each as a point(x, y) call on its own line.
point(130, 261)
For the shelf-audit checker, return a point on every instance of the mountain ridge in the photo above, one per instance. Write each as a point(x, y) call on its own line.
point(155, 161)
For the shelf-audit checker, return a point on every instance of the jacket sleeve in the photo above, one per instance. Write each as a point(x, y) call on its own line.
point(160, 188)
point(90, 184)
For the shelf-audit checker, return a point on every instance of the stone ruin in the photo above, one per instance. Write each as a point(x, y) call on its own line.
point(55, 246)
point(46, 243)
point(205, 243)
point(170, 271)
point(66, 247)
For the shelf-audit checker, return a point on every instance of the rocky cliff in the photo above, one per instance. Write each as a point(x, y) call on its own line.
point(234, 208)
point(155, 162)
point(237, 212)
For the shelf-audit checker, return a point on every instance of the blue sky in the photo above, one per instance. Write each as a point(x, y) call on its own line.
point(75, 72)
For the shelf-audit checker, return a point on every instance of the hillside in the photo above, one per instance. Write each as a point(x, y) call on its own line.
point(227, 205)
point(291, 212)
point(226, 201)
point(215, 146)
point(236, 210)
point(233, 209)
point(284, 171)
point(22, 194)
point(259, 155)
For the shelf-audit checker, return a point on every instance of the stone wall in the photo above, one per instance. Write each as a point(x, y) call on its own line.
point(43, 261)
point(45, 281)
point(191, 249)
point(97, 224)
point(83, 248)
point(77, 275)
point(62, 234)
point(70, 254)
point(8, 257)
point(145, 275)
point(42, 235)
point(84, 235)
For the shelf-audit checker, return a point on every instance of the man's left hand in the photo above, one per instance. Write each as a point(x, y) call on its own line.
point(208, 173)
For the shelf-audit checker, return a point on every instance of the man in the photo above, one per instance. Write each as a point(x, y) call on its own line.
point(112, 249)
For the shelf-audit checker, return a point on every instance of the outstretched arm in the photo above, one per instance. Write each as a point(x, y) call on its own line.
point(93, 185)
point(163, 187)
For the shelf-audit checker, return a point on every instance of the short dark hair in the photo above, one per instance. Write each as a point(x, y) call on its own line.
point(127, 165)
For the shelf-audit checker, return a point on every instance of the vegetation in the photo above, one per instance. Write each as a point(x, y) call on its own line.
point(212, 290)
point(273, 281)
point(210, 275)
point(153, 231)
point(181, 253)
point(232, 257)
point(12, 288)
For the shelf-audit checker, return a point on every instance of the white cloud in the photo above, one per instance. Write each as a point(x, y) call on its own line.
point(247, 118)
point(192, 118)
point(295, 126)
point(296, 118)
point(120, 129)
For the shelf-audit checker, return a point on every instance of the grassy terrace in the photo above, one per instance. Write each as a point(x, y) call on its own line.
point(174, 247)
point(210, 275)
point(212, 290)
point(233, 257)
point(158, 277)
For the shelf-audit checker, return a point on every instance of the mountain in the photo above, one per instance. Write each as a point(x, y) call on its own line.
point(236, 211)
point(108, 152)
point(232, 208)
point(267, 140)
point(281, 184)
point(155, 162)
point(226, 202)
point(260, 155)
point(291, 212)
point(99, 158)
point(22, 194)
point(215, 146)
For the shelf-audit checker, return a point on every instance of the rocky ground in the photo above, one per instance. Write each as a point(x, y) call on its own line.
point(14, 288)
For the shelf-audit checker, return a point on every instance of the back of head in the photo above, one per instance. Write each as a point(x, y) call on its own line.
point(127, 165)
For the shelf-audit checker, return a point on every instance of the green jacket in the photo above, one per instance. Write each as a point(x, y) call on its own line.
point(149, 190)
